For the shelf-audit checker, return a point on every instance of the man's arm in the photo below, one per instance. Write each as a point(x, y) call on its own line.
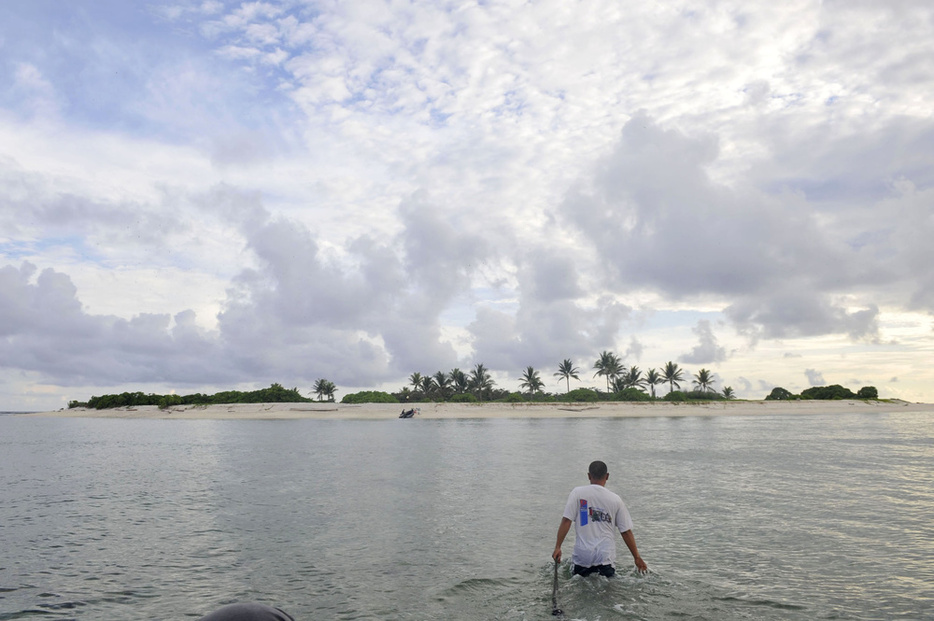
point(562, 533)
point(630, 540)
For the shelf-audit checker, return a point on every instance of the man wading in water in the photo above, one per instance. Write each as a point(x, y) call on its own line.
point(597, 514)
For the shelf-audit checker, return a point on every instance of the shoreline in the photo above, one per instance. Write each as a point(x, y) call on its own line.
point(436, 411)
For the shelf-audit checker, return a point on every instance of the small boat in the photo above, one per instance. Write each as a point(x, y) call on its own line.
point(408, 413)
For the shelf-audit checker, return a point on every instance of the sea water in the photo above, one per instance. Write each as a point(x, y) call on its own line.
point(777, 517)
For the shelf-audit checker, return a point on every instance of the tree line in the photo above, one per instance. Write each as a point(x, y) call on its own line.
point(622, 384)
point(834, 391)
point(276, 393)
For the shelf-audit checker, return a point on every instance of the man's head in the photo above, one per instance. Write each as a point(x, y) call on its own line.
point(597, 473)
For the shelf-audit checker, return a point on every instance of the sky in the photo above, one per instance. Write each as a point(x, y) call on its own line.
point(206, 195)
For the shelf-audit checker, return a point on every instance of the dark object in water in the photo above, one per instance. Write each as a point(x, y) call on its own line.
point(247, 611)
point(555, 611)
point(408, 413)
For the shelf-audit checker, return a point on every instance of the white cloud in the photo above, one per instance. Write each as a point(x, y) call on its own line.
point(707, 350)
point(815, 378)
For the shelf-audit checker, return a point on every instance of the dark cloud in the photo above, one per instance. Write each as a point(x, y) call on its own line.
point(800, 314)
point(46, 330)
point(361, 316)
point(656, 220)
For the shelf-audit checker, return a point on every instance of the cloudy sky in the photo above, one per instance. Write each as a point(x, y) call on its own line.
point(206, 195)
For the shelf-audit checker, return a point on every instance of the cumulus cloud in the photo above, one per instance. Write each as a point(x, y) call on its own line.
point(815, 378)
point(707, 350)
point(46, 330)
point(657, 220)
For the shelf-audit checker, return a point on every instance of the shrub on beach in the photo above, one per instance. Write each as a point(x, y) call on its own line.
point(464, 397)
point(582, 394)
point(630, 394)
point(369, 396)
point(834, 391)
point(675, 396)
point(780, 394)
point(868, 392)
point(168, 401)
point(514, 397)
point(704, 395)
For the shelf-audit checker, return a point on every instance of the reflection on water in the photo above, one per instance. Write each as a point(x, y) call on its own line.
point(738, 518)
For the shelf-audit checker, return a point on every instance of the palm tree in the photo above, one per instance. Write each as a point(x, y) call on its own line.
point(321, 388)
point(672, 374)
point(428, 385)
point(567, 370)
point(531, 380)
point(480, 380)
point(609, 366)
point(459, 380)
point(329, 389)
point(443, 383)
point(633, 378)
point(653, 379)
point(704, 380)
point(728, 392)
point(416, 380)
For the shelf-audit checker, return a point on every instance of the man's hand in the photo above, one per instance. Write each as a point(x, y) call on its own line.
point(640, 564)
point(563, 530)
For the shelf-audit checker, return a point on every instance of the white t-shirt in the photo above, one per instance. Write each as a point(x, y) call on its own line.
point(598, 515)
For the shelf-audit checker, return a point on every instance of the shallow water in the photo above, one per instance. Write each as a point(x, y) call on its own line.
point(795, 517)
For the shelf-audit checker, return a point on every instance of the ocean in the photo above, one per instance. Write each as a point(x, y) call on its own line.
point(767, 517)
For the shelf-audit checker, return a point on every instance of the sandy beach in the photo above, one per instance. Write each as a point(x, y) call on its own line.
point(379, 411)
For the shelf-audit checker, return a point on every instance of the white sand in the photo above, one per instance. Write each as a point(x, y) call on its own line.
point(378, 411)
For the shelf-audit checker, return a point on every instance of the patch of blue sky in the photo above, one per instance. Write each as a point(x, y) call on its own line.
point(879, 239)
point(438, 118)
point(833, 189)
point(72, 245)
point(512, 106)
point(116, 68)
point(15, 250)
point(679, 319)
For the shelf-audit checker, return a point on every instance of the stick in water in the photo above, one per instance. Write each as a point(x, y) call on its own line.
point(554, 595)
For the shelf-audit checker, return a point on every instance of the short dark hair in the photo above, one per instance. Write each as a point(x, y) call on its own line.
point(597, 469)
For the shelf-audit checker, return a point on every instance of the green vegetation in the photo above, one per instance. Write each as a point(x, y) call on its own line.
point(532, 381)
point(827, 393)
point(609, 366)
point(834, 391)
point(630, 394)
point(588, 395)
point(456, 386)
point(567, 370)
point(324, 388)
point(369, 396)
point(780, 394)
point(274, 394)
